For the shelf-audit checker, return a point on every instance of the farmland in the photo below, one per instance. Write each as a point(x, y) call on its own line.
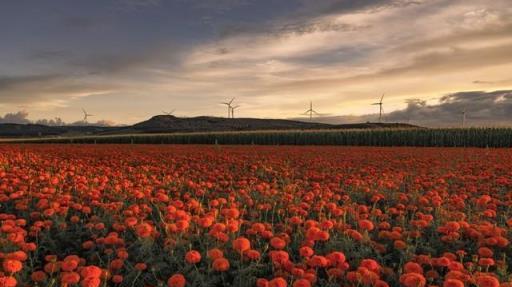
point(199, 215)
point(420, 137)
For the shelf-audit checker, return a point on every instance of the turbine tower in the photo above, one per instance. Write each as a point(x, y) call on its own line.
point(229, 106)
point(86, 115)
point(310, 112)
point(233, 111)
point(381, 109)
point(464, 118)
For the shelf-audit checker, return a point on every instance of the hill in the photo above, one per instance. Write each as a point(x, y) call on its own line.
point(172, 124)
point(35, 130)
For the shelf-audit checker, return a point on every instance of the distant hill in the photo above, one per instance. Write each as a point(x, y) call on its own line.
point(172, 124)
point(202, 124)
point(35, 130)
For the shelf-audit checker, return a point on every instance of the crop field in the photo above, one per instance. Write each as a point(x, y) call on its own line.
point(198, 215)
point(420, 137)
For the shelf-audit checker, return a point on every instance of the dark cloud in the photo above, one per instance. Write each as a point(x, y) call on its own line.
point(481, 108)
point(331, 7)
point(218, 6)
point(49, 55)
point(139, 3)
point(24, 89)
point(46, 88)
point(300, 22)
point(108, 63)
point(306, 18)
point(9, 82)
point(79, 22)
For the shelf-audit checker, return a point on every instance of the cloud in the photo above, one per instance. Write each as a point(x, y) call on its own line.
point(481, 109)
point(134, 4)
point(273, 58)
point(50, 122)
point(79, 22)
point(344, 59)
point(15, 118)
point(47, 89)
point(48, 54)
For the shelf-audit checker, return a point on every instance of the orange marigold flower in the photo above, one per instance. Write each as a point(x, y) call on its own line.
point(8, 281)
point(116, 264)
point(141, 266)
point(370, 264)
point(70, 264)
point(12, 265)
point(241, 244)
point(193, 257)
point(130, 221)
point(487, 281)
point(366, 224)
point(306, 251)
point(410, 267)
point(220, 264)
point(215, 253)
point(144, 230)
point(322, 236)
point(279, 257)
point(278, 282)
point(486, 262)
point(413, 280)
point(302, 283)
point(400, 244)
point(90, 282)
point(117, 279)
point(336, 257)
point(18, 255)
point(318, 261)
point(262, 282)
point(38, 276)
point(176, 280)
point(277, 243)
point(252, 254)
point(91, 271)
point(485, 252)
point(453, 283)
point(69, 278)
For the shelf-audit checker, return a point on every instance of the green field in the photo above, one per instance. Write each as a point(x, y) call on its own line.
point(471, 137)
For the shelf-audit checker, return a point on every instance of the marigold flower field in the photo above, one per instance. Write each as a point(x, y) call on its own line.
point(143, 215)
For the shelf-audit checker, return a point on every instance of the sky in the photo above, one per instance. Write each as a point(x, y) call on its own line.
point(127, 60)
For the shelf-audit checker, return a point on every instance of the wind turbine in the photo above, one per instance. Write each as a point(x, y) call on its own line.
point(171, 113)
point(229, 106)
point(86, 115)
point(310, 111)
point(381, 110)
point(464, 118)
point(233, 111)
